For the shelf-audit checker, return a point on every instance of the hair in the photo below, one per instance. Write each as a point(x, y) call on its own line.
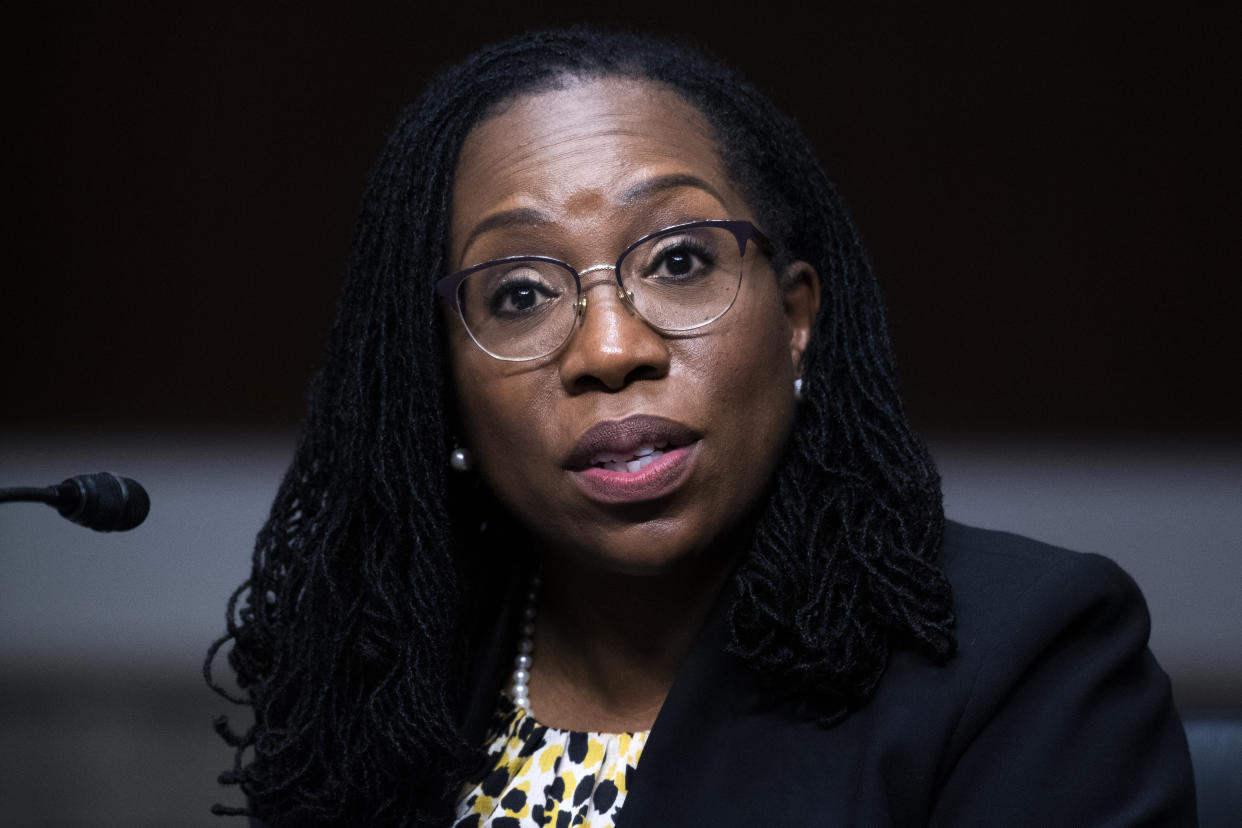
point(351, 636)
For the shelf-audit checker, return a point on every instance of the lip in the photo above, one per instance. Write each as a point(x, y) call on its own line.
point(658, 479)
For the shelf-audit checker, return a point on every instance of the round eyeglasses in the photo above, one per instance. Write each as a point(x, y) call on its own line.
point(677, 279)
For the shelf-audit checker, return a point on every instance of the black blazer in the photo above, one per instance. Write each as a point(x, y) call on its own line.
point(1052, 713)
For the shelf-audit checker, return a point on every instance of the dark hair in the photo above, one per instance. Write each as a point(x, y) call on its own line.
point(351, 636)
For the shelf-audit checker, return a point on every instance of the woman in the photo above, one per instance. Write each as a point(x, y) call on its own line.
point(606, 510)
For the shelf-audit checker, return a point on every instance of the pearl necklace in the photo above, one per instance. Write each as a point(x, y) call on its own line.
point(519, 687)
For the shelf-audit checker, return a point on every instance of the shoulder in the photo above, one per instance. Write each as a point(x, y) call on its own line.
point(1026, 608)
point(1005, 584)
point(987, 560)
point(1057, 687)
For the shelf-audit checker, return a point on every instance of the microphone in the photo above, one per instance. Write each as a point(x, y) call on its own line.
point(104, 501)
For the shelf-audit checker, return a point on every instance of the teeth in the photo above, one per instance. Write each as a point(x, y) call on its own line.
point(627, 465)
point(629, 462)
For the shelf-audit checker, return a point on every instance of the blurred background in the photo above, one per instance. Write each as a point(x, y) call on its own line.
point(1050, 193)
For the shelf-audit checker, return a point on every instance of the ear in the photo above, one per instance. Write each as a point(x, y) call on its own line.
point(800, 297)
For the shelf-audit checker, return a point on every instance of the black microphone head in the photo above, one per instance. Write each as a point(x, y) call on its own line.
point(104, 502)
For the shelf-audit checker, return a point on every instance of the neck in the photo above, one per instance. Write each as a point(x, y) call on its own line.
point(608, 645)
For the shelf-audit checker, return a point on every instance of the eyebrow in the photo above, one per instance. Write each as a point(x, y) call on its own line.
point(530, 217)
point(663, 183)
point(518, 216)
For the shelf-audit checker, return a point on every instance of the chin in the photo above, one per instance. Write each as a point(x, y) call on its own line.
point(646, 549)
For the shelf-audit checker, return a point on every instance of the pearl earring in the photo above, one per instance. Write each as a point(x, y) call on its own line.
point(798, 389)
point(460, 459)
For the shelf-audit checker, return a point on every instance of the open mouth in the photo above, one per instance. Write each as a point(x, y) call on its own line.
point(642, 471)
point(629, 462)
point(630, 445)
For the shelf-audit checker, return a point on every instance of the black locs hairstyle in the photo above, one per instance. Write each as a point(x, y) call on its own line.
point(350, 636)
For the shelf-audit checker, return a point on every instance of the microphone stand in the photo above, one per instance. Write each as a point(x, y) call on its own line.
point(31, 494)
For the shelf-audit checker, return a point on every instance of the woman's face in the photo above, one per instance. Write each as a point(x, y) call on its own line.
point(579, 174)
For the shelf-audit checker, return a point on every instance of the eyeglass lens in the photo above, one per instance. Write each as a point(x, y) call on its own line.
point(677, 281)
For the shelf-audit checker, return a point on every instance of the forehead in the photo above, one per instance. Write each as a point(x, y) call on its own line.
point(573, 154)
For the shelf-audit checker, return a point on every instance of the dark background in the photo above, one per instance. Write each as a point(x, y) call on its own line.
point(1050, 193)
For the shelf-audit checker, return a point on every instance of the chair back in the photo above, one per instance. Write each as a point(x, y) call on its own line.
point(1215, 738)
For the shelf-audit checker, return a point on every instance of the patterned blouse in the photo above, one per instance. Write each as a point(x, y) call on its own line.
point(539, 776)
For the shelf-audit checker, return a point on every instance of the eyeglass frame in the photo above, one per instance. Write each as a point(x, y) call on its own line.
point(743, 231)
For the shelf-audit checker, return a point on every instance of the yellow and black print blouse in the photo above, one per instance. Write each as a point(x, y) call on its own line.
point(540, 776)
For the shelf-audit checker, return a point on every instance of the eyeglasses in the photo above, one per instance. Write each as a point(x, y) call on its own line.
point(677, 279)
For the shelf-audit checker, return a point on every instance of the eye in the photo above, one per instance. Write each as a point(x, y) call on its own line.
point(681, 259)
point(519, 292)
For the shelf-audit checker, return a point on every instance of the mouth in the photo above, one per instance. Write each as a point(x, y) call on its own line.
point(628, 463)
point(640, 458)
point(628, 446)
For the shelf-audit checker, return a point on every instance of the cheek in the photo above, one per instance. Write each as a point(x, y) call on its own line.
point(485, 392)
point(498, 407)
point(754, 371)
point(746, 375)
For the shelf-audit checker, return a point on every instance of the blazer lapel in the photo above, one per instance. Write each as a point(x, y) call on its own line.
point(711, 689)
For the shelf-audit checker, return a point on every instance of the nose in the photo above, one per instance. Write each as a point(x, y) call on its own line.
point(613, 346)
